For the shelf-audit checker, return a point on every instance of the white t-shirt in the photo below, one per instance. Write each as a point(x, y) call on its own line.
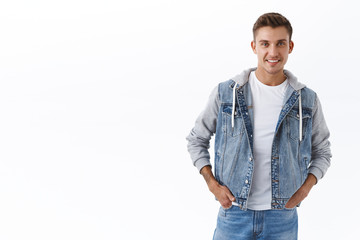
point(267, 104)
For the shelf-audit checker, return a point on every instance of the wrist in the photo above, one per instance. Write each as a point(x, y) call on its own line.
point(209, 178)
point(213, 184)
point(310, 181)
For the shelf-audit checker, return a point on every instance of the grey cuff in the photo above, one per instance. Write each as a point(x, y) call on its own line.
point(316, 172)
point(202, 162)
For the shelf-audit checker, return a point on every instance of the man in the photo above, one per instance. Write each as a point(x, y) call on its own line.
point(271, 142)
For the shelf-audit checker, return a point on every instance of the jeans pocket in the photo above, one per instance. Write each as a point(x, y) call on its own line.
point(226, 209)
point(290, 209)
point(223, 211)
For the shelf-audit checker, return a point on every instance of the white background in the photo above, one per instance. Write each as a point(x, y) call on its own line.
point(97, 97)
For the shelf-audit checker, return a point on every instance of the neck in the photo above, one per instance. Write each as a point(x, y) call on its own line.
point(270, 79)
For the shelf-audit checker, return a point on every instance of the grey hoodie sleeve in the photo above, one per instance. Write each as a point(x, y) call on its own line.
point(205, 127)
point(320, 154)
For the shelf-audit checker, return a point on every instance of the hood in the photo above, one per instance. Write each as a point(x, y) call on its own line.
point(243, 78)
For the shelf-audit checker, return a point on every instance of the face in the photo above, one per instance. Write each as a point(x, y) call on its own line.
point(272, 47)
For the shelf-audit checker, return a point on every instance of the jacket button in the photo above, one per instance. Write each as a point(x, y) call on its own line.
point(246, 181)
point(250, 158)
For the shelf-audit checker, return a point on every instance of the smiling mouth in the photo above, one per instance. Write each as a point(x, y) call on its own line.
point(273, 61)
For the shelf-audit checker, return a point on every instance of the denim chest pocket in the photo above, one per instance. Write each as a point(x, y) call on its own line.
point(293, 122)
point(238, 121)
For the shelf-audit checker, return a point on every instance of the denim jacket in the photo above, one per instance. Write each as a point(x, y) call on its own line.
point(300, 145)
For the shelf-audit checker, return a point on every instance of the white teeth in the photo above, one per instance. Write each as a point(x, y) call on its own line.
point(273, 61)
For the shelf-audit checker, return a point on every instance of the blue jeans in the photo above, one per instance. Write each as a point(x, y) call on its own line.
point(234, 223)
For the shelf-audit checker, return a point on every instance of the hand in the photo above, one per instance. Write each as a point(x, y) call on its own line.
point(302, 192)
point(223, 195)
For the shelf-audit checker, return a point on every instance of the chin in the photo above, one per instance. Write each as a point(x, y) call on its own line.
point(274, 71)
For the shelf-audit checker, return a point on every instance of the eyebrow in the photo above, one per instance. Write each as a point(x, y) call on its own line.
point(280, 40)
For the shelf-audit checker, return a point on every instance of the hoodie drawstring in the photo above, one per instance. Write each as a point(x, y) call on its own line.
point(300, 117)
point(233, 107)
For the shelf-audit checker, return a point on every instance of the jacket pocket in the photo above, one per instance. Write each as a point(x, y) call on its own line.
point(238, 128)
point(293, 123)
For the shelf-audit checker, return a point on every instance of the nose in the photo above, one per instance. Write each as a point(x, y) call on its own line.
point(273, 51)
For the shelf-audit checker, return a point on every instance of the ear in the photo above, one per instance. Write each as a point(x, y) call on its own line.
point(253, 46)
point(291, 46)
